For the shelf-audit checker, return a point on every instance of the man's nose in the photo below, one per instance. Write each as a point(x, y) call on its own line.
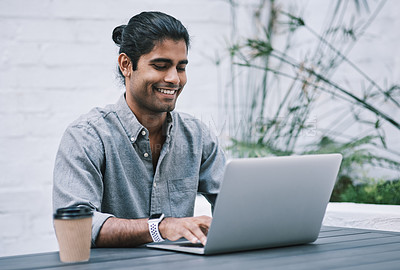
point(172, 76)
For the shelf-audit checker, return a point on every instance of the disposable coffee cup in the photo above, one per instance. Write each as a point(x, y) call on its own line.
point(73, 226)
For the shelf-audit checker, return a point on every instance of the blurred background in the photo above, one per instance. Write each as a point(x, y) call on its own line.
point(268, 77)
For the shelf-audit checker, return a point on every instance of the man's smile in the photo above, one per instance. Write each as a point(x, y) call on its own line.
point(167, 91)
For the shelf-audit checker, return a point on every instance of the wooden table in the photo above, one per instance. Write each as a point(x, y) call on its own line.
point(336, 248)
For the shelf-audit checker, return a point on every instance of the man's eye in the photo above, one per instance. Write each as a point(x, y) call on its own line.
point(160, 67)
point(181, 68)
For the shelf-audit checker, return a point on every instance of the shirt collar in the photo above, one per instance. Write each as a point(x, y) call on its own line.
point(130, 123)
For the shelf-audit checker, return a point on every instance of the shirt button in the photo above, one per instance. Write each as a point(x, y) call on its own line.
point(154, 185)
point(143, 133)
point(132, 139)
point(146, 154)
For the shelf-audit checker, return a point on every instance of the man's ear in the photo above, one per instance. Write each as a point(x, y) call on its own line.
point(125, 64)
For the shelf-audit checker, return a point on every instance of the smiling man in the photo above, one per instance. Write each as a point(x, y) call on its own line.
point(137, 163)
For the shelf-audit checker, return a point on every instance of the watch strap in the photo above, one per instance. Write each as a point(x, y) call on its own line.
point(154, 231)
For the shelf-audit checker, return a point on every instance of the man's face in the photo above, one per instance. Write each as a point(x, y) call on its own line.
point(159, 78)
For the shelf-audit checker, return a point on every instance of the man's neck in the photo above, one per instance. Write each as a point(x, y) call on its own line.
point(152, 122)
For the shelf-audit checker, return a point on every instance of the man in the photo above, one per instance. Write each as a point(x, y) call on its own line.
point(138, 158)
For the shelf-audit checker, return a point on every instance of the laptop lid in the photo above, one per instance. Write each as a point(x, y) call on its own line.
point(269, 202)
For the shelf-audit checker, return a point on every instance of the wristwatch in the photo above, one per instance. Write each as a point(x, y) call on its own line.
point(153, 222)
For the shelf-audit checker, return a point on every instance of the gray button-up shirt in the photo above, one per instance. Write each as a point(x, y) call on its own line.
point(104, 161)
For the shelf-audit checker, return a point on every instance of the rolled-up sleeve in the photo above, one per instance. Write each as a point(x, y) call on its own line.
point(78, 173)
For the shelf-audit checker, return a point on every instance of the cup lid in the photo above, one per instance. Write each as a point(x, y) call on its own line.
point(73, 212)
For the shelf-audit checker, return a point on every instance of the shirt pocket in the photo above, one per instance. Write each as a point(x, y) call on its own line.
point(182, 196)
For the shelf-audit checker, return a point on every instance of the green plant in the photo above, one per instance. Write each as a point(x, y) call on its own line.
point(276, 91)
point(376, 192)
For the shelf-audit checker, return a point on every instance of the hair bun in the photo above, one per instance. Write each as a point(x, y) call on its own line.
point(117, 34)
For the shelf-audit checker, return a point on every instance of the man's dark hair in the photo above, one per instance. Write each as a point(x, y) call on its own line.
point(144, 31)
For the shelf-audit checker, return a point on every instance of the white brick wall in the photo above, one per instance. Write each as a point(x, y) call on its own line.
point(57, 61)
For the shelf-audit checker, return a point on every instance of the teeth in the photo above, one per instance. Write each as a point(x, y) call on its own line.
point(165, 91)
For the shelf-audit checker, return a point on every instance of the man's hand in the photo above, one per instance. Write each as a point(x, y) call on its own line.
point(193, 229)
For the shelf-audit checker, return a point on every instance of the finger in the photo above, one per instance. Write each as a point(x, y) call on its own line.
point(190, 236)
point(198, 233)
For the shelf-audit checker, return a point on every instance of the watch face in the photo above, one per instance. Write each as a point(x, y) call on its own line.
point(155, 216)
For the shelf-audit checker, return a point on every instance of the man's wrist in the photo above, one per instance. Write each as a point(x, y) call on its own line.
point(161, 227)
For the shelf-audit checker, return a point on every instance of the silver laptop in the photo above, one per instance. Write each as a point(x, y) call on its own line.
point(267, 202)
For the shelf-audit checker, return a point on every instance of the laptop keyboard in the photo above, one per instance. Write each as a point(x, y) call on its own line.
point(196, 245)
